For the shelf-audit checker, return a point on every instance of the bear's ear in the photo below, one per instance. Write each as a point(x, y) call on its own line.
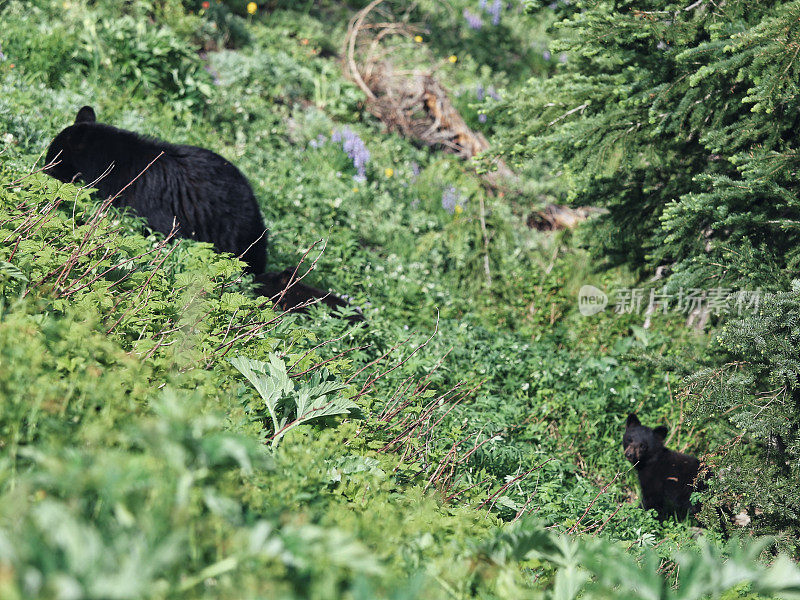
point(633, 420)
point(661, 432)
point(85, 115)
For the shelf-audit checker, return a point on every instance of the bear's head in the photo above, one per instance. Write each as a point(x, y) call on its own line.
point(639, 442)
point(65, 151)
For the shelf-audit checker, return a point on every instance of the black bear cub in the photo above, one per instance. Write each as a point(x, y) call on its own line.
point(667, 477)
point(195, 190)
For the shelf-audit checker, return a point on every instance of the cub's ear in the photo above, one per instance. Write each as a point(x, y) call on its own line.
point(86, 115)
point(661, 432)
point(632, 421)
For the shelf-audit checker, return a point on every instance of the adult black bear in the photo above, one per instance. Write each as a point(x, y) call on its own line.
point(195, 190)
point(204, 195)
point(667, 477)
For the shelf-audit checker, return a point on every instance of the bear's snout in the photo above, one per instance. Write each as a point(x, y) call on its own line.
point(634, 452)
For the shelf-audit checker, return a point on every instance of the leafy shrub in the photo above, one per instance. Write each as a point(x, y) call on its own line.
point(594, 568)
point(221, 28)
point(287, 407)
point(146, 57)
point(45, 55)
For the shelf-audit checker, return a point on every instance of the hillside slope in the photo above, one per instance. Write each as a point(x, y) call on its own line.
point(476, 422)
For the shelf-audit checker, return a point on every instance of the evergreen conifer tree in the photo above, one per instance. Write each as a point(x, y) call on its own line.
point(682, 121)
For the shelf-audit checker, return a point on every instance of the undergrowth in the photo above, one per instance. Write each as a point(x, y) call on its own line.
point(156, 436)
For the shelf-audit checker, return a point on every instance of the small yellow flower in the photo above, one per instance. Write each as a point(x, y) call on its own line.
point(388, 171)
point(452, 58)
point(252, 7)
point(355, 189)
point(458, 209)
point(418, 39)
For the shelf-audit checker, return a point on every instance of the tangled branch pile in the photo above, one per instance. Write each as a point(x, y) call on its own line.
point(411, 102)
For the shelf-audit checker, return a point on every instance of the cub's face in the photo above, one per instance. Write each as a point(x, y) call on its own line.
point(639, 442)
point(63, 155)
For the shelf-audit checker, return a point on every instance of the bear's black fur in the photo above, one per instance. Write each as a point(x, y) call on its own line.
point(195, 190)
point(291, 294)
point(204, 195)
point(667, 477)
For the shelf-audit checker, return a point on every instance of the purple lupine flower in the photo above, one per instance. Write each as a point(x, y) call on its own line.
point(482, 118)
point(492, 93)
point(562, 58)
point(319, 141)
point(355, 149)
point(415, 203)
point(479, 92)
point(495, 10)
point(203, 56)
point(213, 73)
point(546, 55)
point(482, 4)
point(473, 21)
point(450, 199)
point(415, 169)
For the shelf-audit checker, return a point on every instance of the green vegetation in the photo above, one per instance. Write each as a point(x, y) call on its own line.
point(165, 433)
point(681, 121)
